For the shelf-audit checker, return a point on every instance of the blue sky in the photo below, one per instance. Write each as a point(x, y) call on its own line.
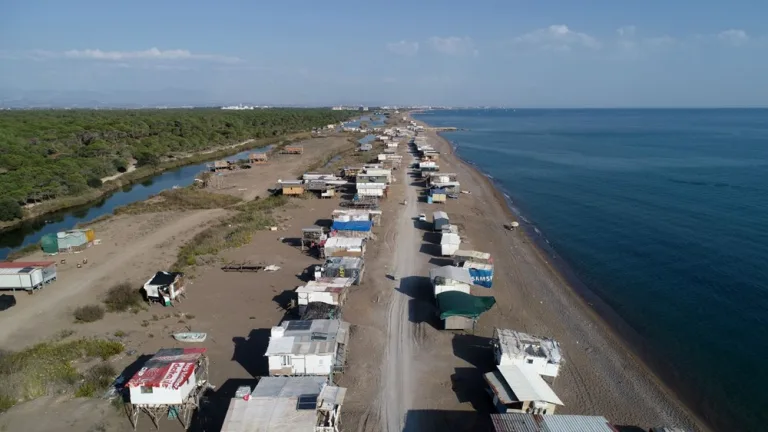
point(563, 53)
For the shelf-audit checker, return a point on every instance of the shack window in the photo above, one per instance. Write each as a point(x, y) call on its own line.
point(146, 390)
point(285, 360)
point(529, 361)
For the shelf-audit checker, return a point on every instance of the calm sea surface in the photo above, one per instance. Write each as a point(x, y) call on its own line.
point(661, 213)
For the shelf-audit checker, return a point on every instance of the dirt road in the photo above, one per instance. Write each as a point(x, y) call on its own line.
point(398, 368)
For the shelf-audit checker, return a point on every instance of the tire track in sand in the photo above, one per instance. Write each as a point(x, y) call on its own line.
point(398, 361)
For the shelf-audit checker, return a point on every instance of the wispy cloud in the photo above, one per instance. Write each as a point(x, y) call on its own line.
point(453, 45)
point(557, 37)
point(733, 36)
point(626, 31)
point(152, 54)
point(404, 48)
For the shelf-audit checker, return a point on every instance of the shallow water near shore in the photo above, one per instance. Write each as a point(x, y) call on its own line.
point(664, 215)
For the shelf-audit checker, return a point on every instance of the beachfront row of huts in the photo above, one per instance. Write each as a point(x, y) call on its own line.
point(525, 365)
point(517, 384)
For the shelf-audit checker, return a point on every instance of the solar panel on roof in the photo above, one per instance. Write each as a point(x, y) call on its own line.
point(299, 325)
point(307, 402)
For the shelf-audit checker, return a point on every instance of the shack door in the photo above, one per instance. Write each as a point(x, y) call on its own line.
point(299, 366)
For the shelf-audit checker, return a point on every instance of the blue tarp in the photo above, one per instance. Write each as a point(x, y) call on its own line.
point(352, 226)
point(481, 277)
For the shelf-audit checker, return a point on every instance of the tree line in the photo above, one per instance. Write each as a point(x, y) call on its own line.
point(47, 154)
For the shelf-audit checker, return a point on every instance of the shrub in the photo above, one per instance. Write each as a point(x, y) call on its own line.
point(94, 182)
point(97, 380)
point(88, 313)
point(26, 250)
point(46, 368)
point(9, 209)
point(122, 297)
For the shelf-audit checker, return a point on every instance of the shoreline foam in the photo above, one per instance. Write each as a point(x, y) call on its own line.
point(611, 324)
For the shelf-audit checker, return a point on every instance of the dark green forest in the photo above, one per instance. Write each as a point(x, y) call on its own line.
point(47, 154)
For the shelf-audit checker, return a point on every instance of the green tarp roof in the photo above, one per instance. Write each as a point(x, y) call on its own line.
point(457, 303)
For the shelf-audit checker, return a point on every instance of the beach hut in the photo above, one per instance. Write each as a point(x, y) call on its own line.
point(286, 404)
point(332, 291)
point(293, 149)
point(347, 215)
point(522, 390)
point(168, 385)
point(449, 278)
point(292, 187)
point(440, 221)
point(258, 158)
point(543, 355)
point(74, 240)
point(312, 237)
point(343, 267)
point(437, 195)
point(343, 246)
point(165, 287)
point(316, 347)
point(352, 229)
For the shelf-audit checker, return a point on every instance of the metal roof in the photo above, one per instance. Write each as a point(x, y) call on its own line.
point(282, 404)
point(520, 422)
point(457, 274)
point(439, 215)
point(345, 242)
point(308, 337)
point(513, 383)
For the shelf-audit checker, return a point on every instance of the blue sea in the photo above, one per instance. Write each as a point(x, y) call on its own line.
point(661, 213)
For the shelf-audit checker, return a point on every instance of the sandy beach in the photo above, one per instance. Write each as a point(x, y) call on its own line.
point(404, 373)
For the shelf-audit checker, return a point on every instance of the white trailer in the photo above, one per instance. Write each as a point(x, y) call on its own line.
point(27, 278)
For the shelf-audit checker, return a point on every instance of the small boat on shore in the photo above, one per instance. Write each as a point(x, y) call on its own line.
point(190, 337)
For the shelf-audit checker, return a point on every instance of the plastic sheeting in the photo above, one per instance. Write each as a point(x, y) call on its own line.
point(457, 303)
point(352, 225)
point(481, 277)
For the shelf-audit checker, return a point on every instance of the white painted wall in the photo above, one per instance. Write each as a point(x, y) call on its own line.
point(163, 396)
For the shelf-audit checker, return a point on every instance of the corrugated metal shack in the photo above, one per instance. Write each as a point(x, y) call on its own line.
point(344, 246)
point(287, 404)
point(344, 267)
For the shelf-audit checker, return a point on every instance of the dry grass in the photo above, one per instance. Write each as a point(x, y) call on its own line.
point(88, 313)
point(122, 297)
point(188, 198)
point(233, 232)
point(21, 253)
point(47, 368)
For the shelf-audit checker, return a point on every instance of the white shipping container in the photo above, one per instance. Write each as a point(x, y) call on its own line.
point(20, 278)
